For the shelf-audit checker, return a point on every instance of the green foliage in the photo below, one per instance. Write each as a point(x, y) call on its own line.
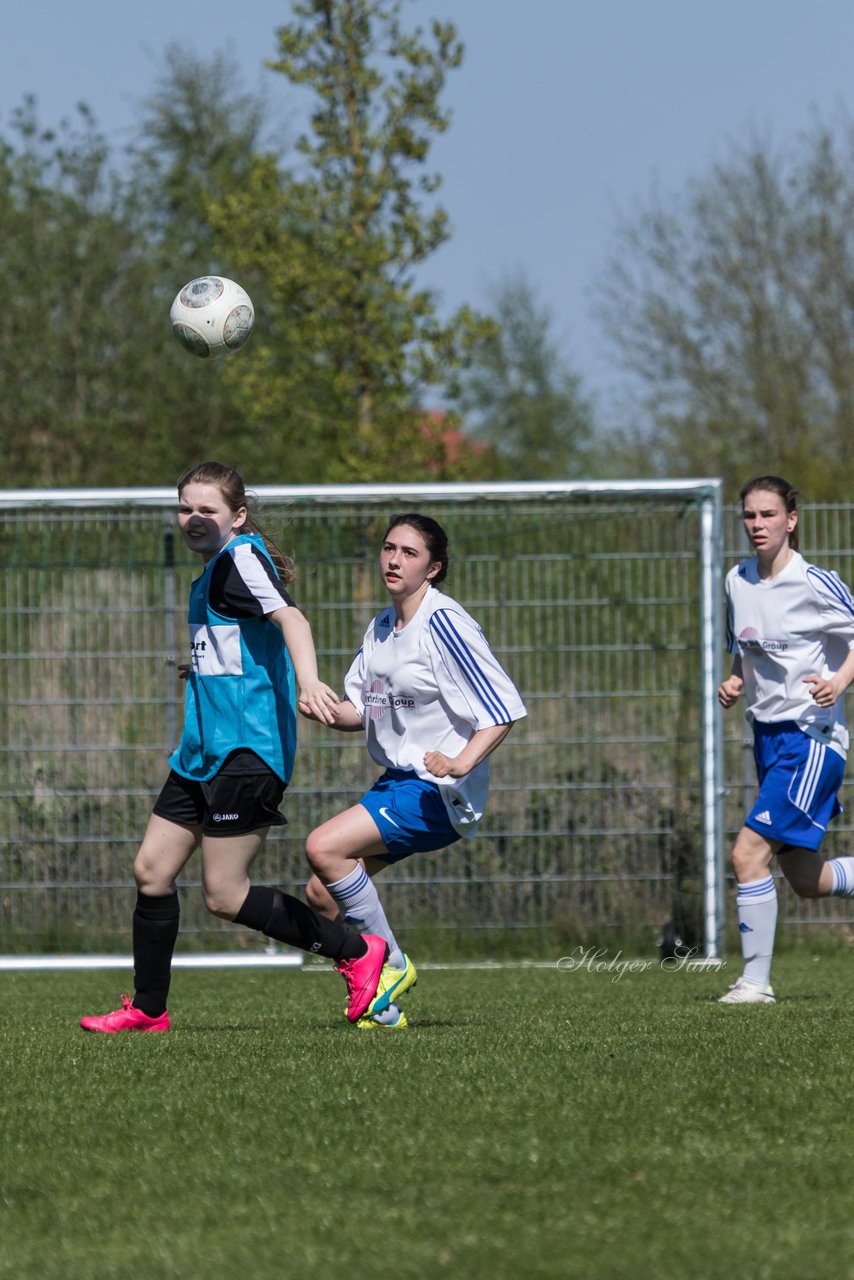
point(557, 1125)
point(69, 262)
point(348, 350)
point(351, 345)
point(94, 390)
point(730, 306)
point(520, 397)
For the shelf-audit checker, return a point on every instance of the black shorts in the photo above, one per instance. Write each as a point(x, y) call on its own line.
point(228, 804)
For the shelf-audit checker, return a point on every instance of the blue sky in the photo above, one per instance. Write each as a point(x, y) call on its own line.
point(566, 112)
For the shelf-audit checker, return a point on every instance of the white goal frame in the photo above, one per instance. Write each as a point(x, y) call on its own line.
point(705, 492)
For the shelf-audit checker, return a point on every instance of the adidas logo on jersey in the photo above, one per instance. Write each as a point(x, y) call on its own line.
point(764, 817)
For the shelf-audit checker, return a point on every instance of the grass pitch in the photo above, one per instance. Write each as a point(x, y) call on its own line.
point(531, 1123)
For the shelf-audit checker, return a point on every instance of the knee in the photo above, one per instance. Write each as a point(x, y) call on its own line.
point(804, 887)
point(221, 902)
point(150, 878)
point(319, 852)
point(750, 860)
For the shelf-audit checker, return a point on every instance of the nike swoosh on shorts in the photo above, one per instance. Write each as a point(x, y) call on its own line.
point(385, 813)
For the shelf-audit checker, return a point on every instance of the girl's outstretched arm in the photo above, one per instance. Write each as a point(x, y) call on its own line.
point(315, 699)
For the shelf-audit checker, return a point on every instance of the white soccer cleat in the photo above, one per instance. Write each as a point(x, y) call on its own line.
point(744, 992)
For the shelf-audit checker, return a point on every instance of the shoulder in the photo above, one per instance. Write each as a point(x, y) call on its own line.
point(245, 549)
point(447, 619)
point(436, 602)
point(745, 571)
point(244, 579)
point(827, 585)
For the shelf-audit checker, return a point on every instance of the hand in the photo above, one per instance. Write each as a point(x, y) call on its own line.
point(318, 702)
point(730, 691)
point(823, 691)
point(184, 669)
point(441, 766)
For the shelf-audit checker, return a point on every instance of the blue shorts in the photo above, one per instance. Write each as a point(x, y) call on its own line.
point(798, 783)
point(410, 814)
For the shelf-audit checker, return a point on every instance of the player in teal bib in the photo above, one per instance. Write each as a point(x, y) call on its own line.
point(249, 647)
point(240, 682)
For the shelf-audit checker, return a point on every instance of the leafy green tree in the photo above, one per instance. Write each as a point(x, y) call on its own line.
point(75, 274)
point(731, 309)
point(347, 348)
point(95, 391)
point(521, 398)
point(200, 137)
point(351, 346)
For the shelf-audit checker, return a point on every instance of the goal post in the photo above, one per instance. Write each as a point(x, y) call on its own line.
point(603, 599)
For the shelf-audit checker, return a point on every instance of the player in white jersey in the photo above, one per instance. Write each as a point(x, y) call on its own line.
point(790, 628)
point(434, 702)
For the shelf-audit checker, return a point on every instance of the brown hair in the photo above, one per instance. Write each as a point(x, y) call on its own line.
point(231, 486)
point(435, 539)
point(784, 490)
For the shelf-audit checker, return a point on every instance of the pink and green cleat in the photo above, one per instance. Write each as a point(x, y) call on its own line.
point(125, 1019)
point(362, 975)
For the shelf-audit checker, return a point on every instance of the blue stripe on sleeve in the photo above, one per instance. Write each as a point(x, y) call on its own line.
point(443, 628)
point(828, 584)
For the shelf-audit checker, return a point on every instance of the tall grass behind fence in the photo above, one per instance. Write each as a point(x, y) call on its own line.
point(592, 605)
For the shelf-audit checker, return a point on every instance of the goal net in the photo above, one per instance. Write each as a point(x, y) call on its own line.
point(603, 602)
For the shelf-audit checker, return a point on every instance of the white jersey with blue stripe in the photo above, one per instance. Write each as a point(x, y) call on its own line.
point(429, 687)
point(796, 624)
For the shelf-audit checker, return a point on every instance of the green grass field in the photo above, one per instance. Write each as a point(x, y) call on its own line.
point(531, 1122)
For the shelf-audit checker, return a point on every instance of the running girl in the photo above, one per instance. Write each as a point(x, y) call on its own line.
point(791, 628)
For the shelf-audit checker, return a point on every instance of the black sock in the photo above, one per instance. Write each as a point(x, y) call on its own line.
point(279, 915)
point(155, 930)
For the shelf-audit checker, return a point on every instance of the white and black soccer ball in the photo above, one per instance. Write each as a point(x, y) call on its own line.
point(212, 316)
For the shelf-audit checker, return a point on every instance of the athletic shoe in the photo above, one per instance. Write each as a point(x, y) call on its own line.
point(125, 1019)
point(393, 984)
point(746, 992)
point(362, 976)
point(371, 1021)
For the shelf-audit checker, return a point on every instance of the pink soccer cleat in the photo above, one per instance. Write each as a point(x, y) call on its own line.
point(126, 1019)
point(362, 975)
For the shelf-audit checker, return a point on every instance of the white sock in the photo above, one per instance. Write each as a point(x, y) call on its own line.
point(756, 907)
point(359, 904)
point(843, 877)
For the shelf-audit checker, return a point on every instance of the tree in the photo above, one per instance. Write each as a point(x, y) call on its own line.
point(521, 398)
point(191, 152)
point(733, 310)
point(350, 344)
point(191, 155)
point(74, 274)
point(93, 389)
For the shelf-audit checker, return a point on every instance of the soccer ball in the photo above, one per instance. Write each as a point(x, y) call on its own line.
point(212, 316)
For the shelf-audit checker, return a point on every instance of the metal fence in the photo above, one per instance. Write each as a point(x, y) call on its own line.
point(599, 818)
